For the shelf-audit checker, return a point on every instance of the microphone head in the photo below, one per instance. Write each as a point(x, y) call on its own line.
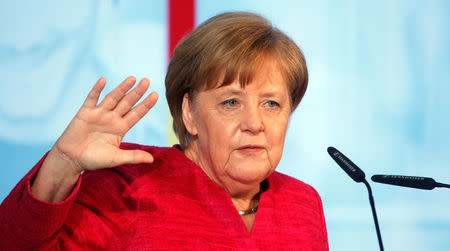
point(406, 181)
point(347, 165)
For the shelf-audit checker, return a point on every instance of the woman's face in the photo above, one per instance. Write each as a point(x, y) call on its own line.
point(238, 133)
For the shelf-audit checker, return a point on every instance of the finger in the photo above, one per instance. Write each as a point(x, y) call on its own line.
point(132, 97)
point(92, 98)
point(133, 157)
point(110, 101)
point(139, 111)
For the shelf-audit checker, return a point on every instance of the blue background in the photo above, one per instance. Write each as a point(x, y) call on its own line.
point(379, 92)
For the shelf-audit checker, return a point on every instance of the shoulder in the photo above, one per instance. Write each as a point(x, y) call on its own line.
point(157, 151)
point(279, 181)
point(298, 209)
point(164, 158)
point(166, 161)
point(288, 188)
point(107, 186)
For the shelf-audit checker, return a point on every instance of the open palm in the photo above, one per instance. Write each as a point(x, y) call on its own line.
point(92, 139)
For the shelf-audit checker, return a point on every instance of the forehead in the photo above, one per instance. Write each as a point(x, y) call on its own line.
point(268, 81)
point(267, 73)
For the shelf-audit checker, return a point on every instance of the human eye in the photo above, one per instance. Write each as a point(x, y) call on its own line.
point(230, 103)
point(272, 104)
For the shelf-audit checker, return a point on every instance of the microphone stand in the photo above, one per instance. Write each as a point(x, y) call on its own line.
point(374, 213)
point(358, 176)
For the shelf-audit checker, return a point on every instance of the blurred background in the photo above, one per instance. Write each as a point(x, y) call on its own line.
point(379, 92)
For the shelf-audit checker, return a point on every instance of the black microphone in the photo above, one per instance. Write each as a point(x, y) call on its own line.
point(347, 165)
point(409, 181)
point(357, 175)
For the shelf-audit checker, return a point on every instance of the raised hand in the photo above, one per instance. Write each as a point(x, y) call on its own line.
point(92, 139)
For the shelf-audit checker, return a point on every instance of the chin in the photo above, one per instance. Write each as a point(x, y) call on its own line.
point(250, 173)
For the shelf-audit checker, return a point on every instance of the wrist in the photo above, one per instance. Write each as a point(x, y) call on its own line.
point(68, 165)
point(56, 178)
point(60, 165)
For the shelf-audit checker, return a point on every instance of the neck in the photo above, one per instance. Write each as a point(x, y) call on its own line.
point(243, 196)
point(247, 202)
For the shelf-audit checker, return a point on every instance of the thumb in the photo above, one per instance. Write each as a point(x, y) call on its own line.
point(134, 157)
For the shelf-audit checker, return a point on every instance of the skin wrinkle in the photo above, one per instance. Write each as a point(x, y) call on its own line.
point(220, 129)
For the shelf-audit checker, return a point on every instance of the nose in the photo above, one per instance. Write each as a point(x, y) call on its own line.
point(251, 120)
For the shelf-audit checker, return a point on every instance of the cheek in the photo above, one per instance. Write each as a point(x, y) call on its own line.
point(219, 135)
point(275, 134)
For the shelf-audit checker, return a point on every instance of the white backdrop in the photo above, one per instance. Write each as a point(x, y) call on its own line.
point(379, 91)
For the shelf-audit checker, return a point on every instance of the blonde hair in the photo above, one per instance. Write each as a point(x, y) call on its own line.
point(228, 47)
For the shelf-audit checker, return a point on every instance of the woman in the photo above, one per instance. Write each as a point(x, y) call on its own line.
point(231, 86)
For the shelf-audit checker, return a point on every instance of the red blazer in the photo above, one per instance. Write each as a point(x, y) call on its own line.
point(170, 204)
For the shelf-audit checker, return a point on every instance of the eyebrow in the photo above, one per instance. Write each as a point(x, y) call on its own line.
point(232, 91)
point(241, 92)
point(271, 94)
point(235, 92)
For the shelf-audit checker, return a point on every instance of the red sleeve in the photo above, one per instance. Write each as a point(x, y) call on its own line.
point(27, 222)
point(322, 221)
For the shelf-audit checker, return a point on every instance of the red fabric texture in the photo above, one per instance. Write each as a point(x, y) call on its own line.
point(170, 204)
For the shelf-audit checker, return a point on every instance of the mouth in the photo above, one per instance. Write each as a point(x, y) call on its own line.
point(251, 149)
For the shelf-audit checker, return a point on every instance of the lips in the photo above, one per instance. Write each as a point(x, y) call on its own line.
point(251, 149)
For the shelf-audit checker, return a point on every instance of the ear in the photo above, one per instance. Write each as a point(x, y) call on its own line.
point(188, 118)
